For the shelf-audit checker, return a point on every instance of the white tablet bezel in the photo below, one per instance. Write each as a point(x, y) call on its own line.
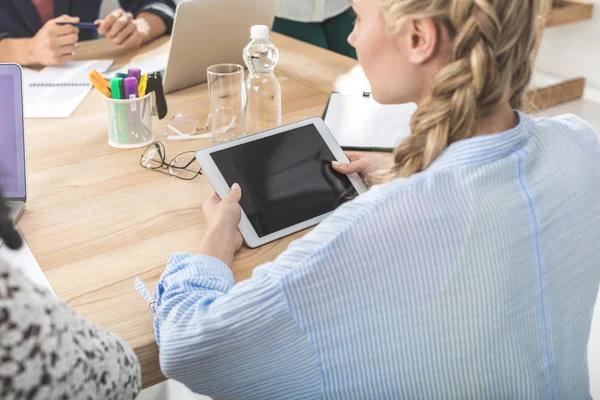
point(215, 177)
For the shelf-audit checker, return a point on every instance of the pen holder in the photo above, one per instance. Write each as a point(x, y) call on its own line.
point(130, 122)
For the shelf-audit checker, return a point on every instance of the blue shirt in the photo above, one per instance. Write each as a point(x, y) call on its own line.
point(474, 279)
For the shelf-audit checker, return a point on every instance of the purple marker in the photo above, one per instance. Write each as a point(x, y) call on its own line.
point(135, 73)
point(130, 86)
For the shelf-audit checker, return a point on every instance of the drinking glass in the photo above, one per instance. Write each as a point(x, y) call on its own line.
point(225, 94)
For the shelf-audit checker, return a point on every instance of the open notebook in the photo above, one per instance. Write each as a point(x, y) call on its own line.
point(360, 123)
point(55, 92)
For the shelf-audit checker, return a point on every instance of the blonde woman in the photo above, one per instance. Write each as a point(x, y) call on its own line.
point(470, 270)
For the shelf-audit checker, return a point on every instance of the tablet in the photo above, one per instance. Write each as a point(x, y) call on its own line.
point(287, 181)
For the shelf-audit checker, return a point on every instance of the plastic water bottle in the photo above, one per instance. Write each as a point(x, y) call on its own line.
point(263, 107)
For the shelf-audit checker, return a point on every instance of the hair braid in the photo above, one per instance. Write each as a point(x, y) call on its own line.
point(493, 43)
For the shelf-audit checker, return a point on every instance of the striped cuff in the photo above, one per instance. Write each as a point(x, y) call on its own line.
point(203, 264)
point(166, 13)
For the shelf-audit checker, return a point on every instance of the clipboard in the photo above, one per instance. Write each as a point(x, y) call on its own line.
point(360, 123)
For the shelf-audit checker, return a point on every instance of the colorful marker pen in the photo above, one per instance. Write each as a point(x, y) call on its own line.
point(135, 73)
point(131, 88)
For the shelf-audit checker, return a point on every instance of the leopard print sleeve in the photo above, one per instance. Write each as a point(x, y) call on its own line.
point(49, 352)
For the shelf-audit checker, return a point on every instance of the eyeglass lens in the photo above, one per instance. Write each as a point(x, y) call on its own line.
point(185, 166)
point(154, 156)
point(186, 124)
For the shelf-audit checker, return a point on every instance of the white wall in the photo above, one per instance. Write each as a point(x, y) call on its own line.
point(573, 50)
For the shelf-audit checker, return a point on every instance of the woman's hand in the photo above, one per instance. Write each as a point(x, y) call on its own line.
point(222, 238)
point(364, 165)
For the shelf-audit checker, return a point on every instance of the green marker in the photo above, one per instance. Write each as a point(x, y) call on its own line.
point(119, 123)
point(116, 87)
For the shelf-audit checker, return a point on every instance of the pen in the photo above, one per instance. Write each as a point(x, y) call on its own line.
point(116, 85)
point(121, 75)
point(80, 25)
point(99, 83)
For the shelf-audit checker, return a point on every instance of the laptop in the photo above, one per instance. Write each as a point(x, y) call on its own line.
point(12, 139)
point(205, 32)
point(208, 32)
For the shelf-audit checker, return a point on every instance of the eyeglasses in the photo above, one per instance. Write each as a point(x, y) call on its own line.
point(183, 166)
point(186, 127)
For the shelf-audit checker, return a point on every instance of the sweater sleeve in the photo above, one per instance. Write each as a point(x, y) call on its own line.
point(47, 351)
point(229, 340)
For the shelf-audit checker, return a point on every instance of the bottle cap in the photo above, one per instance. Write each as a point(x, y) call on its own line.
point(259, 32)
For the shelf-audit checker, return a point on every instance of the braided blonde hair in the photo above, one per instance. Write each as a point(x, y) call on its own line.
point(493, 50)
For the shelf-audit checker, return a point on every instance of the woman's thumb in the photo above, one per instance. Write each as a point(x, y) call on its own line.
point(343, 168)
point(235, 193)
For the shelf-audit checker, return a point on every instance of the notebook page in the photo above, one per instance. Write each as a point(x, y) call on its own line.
point(72, 73)
point(29, 75)
point(43, 95)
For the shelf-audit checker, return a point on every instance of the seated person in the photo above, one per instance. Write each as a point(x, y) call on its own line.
point(325, 24)
point(29, 34)
point(469, 272)
point(49, 352)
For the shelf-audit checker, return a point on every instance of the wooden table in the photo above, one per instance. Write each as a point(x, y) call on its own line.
point(95, 219)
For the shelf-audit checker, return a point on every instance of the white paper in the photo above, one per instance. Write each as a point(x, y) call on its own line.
point(26, 262)
point(47, 101)
point(149, 66)
point(361, 122)
point(353, 82)
point(29, 75)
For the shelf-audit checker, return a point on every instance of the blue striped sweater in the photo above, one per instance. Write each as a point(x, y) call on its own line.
point(474, 279)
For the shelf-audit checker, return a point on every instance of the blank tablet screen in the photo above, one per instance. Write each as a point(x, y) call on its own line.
point(286, 178)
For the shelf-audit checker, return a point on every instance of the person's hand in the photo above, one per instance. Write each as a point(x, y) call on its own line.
point(122, 29)
point(364, 165)
point(222, 238)
point(55, 44)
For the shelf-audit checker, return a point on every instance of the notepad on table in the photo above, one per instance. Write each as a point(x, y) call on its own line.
point(360, 123)
point(56, 91)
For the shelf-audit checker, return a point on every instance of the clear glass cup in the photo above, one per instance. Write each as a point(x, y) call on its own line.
point(225, 94)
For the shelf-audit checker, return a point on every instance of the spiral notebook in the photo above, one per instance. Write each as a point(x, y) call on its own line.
point(55, 92)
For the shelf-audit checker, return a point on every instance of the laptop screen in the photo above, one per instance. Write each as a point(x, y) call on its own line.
point(12, 152)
